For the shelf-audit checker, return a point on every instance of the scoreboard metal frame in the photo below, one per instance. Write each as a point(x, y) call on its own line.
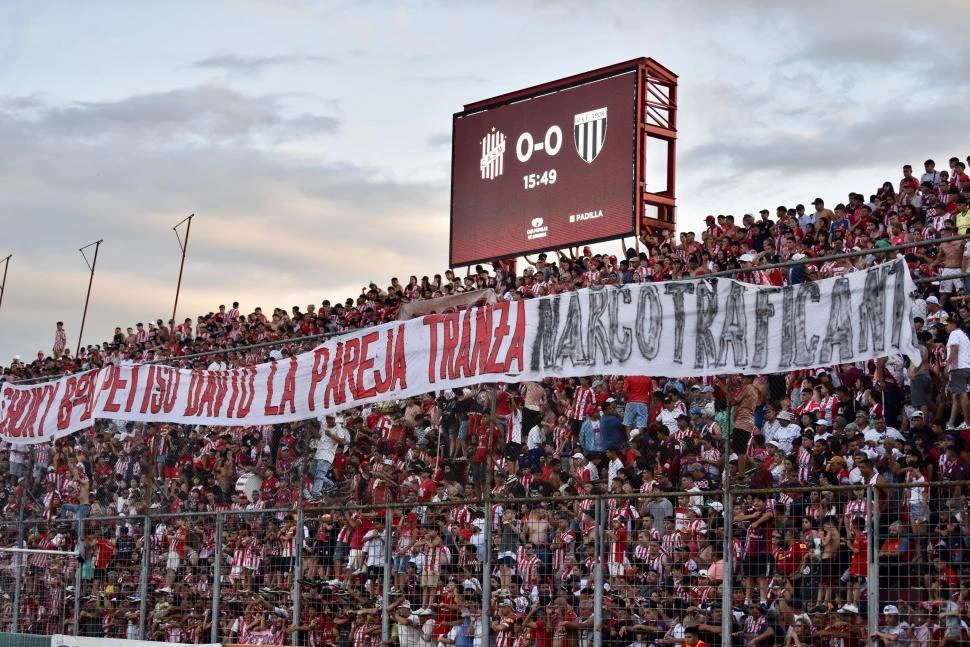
point(656, 118)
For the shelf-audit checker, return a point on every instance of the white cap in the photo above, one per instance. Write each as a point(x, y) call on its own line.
point(746, 257)
point(797, 257)
point(848, 608)
point(933, 299)
point(890, 610)
point(578, 455)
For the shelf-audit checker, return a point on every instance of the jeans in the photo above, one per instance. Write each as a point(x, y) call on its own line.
point(320, 479)
point(80, 510)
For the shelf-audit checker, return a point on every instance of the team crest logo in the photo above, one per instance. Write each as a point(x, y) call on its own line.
point(493, 154)
point(589, 133)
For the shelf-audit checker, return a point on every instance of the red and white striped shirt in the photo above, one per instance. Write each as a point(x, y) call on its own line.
point(583, 398)
point(568, 539)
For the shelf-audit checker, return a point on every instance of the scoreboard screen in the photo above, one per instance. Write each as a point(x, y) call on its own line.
point(547, 171)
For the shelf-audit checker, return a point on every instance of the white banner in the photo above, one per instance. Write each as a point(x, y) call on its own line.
point(677, 328)
point(59, 640)
point(452, 303)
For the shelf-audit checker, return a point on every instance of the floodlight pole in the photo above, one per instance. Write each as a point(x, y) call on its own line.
point(184, 245)
point(93, 264)
point(3, 282)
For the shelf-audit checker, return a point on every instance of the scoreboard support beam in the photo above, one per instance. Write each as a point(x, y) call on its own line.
point(657, 119)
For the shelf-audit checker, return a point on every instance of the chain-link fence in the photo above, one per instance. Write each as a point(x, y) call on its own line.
point(632, 565)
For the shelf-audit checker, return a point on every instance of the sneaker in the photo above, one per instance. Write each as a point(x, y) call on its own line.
point(951, 428)
point(962, 426)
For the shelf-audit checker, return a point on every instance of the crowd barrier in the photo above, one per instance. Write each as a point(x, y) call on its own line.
point(348, 575)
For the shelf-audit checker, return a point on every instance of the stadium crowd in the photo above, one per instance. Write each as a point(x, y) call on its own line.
point(656, 448)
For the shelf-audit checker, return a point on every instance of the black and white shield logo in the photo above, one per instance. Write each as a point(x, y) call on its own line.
point(589, 133)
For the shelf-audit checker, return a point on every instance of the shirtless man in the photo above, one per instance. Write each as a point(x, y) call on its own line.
point(950, 260)
point(921, 381)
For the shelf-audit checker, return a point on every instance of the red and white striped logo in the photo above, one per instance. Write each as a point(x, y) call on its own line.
point(493, 154)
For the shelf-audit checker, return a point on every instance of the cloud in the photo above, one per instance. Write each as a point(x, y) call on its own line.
point(271, 226)
point(439, 140)
point(199, 115)
point(253, 65)
point(450, 79)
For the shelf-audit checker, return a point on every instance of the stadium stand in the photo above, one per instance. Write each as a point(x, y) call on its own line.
point(821, 460)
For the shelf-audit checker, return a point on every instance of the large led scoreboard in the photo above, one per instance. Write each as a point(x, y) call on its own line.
point(561, 164)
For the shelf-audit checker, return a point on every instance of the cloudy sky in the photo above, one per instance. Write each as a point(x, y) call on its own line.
point(312, 138)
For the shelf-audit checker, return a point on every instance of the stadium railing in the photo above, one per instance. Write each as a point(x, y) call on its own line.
point(213, 577)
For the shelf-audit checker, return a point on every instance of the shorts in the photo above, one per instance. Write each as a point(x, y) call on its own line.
point(757, 565)
point(513, 451)
point(950, 285)
point(635, 415)
point(919, 390)
point(959, 378)
point(174, 561)
point(617, 569)
point(918, 512)
point(280, 564)
point(830, 570)
point(430, 580)
point(739, 441)
point(356, 559)
point(101, 574)
point(401, 563)
point(340, 552)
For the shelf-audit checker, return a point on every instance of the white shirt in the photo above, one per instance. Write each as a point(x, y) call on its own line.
point(613, 469)
point(959, 339)
point(786, 436)
point(536, 437)
point(374, 547)
point(327, 446)
point(668, 418)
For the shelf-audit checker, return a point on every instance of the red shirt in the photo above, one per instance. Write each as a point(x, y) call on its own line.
point(791, 558)
point(638, 388)
point(105, 552)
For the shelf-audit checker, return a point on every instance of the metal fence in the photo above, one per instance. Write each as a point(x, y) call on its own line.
point(625, 566)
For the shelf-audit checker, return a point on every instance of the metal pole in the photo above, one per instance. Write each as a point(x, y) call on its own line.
point(184, 245)
point(727, 582)
point(77, 576)
point(388, 539)
point(598, 576)
point(18, 571)
point(872, 557)
point(146, 560)
point(3, 282)
point(92, 265)
point(487, 558)
point(216, 580)
point(487, 570)
point(298, 567)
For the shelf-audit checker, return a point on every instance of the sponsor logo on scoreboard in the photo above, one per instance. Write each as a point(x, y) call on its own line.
point(589, 133)
point(493, 155)
point(586, 215)
point(538, 229)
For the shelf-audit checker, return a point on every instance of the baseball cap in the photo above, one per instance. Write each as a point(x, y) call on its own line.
point(578, 455)
point(890, 610)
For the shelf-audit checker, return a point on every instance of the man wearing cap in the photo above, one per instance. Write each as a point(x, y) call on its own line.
point(611, 428)
point(893, 631)
point(934, 312)
point(332, 437)
point(785, 432)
